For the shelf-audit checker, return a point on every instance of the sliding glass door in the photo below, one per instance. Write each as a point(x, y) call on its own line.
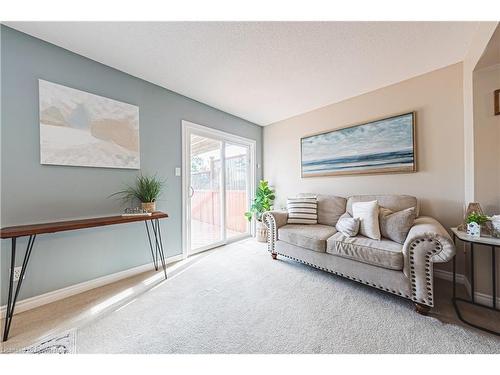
point(206, 224)
point(237, 159)
point(218, 183)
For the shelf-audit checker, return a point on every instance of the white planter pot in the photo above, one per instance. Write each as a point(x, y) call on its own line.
point(261, 232)
point(474, 229)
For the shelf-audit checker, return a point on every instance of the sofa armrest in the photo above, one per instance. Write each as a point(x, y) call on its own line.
point(273, 220)
point(280, 217)
point(427, 243)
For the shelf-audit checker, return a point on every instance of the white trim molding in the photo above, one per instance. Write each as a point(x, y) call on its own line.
point(59, 294)
point(482, 298)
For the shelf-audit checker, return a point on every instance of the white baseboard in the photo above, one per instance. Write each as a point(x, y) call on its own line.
point(482, 298)
point(56, 295)
point(447, 275)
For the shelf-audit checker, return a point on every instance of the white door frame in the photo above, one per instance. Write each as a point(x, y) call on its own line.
point(189, 128)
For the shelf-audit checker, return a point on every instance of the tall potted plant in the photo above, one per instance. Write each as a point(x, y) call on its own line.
point(263, 201)
point(147, 190)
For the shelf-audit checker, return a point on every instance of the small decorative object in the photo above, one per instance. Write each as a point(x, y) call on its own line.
point(382, 146)
point(474, 229)
point(474, 222)
point(146, 190)
point(495, 226)
point(497, 102)
point(472, 207)
point(82, 129)
point(263, 201)
point(137, 211)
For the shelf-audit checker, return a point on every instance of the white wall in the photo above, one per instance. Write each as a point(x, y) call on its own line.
point(487, 140)
point(486, 165)
point(476, 49)
point(439, 182)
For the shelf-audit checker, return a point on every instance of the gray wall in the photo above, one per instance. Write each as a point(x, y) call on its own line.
point(35, 193)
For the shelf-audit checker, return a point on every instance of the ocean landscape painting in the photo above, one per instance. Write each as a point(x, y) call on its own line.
point(381, 146)
point(82, 129)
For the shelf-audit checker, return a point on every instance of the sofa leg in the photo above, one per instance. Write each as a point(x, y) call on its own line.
point(422, 309)
point(274, 255)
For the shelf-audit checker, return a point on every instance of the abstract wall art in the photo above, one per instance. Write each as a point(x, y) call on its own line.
point(381, 146)
point(82, 129)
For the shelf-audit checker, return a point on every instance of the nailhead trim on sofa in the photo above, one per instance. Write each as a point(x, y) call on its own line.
point(429, 300)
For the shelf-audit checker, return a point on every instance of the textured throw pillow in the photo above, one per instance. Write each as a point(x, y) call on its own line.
point(302, 210)
point(367, 213)
point(396, 225)
point(348, 226)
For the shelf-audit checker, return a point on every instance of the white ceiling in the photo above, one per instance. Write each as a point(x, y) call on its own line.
point(264, 71)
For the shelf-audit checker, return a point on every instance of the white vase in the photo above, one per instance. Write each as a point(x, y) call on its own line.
point(261, 232)
point(474, 229)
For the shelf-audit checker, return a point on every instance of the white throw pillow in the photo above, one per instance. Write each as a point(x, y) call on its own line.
point(367, 213)
point(348, 226)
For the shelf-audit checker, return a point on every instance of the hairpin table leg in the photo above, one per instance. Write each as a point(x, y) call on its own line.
point(162, 253)
point(157, 253)
point(13, 295)
point(155, 258)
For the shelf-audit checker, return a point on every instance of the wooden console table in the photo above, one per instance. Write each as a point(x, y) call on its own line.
point(33, 230)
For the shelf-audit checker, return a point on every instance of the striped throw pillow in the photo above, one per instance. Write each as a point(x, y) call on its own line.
point(302, 210)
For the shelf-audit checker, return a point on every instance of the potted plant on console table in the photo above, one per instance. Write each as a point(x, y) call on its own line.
point(475, 221)
point(147, 190)
point(263, 201)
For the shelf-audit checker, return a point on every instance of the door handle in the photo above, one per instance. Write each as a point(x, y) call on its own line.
point(191, 192)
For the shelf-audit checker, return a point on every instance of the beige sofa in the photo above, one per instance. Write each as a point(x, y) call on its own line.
point(402, 269)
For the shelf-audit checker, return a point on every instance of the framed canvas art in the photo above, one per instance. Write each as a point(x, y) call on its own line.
point(82, 129)
point(381, 146)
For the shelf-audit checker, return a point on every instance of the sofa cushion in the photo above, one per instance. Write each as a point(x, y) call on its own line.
point(396, 225)
point(383, 253)
point(312, 237)
point(392, 202)
point(330, 207)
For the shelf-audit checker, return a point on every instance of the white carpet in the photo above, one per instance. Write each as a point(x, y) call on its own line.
point(238, 300)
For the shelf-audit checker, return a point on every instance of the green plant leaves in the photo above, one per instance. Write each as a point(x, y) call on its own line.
point(263, 201)
point(475, 217)
point(146, 189)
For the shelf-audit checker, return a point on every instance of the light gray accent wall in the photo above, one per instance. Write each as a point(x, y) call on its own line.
point(33, 193)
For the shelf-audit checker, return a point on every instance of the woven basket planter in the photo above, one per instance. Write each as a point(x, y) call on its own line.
point(149, 206)
point(261, 232)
